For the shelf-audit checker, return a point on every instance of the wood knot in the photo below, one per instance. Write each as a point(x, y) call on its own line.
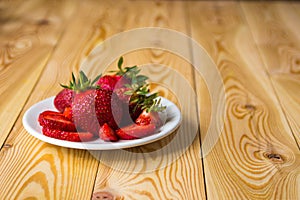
point(274, 157)
point(8, 145)
point(250, 107)
point(103, 196)
point(43, 22)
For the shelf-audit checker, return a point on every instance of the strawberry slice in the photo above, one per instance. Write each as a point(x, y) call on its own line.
point(107, 134)
point(146, 118)
point(135, 131)
point(68, 113)
point(56, 120)
point(66, 135)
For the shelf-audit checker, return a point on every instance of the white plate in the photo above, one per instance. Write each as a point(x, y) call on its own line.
point(30, 122)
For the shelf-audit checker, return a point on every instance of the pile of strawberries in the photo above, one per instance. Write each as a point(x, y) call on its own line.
point(110, 107)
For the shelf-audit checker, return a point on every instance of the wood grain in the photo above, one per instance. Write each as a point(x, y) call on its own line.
point(255, 47)
point(256, 156)
point(275, 29)
point(28, 35)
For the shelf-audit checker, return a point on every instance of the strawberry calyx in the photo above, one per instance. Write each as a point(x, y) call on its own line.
point(82, 83)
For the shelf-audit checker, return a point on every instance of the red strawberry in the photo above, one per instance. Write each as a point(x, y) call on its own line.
point(66, 135)
point(122, 80)
point(151, 117)
point(135, 131)
point(121, 93)
point(56, 120)
point(63, 99)
point(84, 114)
point(108, 109)
point(68, 113)
point(117, 84)
point(107, 134)
point(93, 108)
point(108, 82)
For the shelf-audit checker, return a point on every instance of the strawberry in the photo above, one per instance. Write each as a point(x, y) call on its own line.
point(108, 109)
point(68, 113)
point(147, 118)
point(93, 106)
point(115, 83)
point(63, 99)
point(118, 80)
point(122, 94)
point(135, 131)
point(107, 134)
point(84, 115)
point(56, 120)
point(108, 82)
point(67, 135)
point(133, 91)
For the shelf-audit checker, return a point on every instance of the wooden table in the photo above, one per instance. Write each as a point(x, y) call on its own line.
point(256, 48)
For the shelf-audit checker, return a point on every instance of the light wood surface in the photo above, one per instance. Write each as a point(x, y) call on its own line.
point(255, 48)
point(255, 127)
point(276, 34)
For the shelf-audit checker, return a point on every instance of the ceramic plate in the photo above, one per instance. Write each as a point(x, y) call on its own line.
point(30, 122)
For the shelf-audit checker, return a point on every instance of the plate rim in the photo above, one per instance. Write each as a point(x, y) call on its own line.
point(94, 146)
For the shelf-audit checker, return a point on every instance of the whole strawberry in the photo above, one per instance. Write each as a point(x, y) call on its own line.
point(83, 110)
point(108, 82)
point(93, 106)
point(63, 99)
point(115, 81)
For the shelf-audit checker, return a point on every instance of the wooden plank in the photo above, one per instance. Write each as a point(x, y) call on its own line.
point(256, 156)
point(31, 168)
point(275, 29)
point(28, 34)
point(128, 176)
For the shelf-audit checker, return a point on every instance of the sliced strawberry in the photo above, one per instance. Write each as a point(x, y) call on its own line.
point(42, 115)
point(66, 135)
point(107, 134)
point(68, 113)
point(56, 120)
point(146, 118)
point(135, 131)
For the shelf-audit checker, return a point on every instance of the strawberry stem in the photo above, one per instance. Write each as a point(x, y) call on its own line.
point(82, 83)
